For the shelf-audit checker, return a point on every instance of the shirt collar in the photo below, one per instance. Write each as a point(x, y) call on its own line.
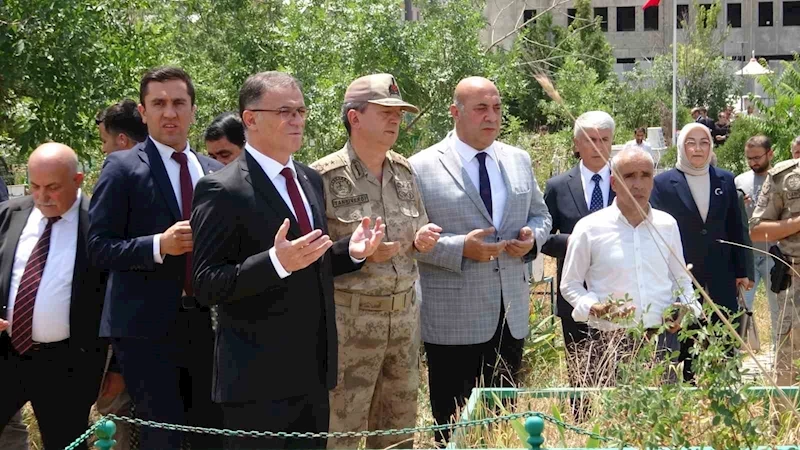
point(70, 216)
point(467, 153)
point(165, 150)
point(271, 167)
point(587, 174)
point(614, 209)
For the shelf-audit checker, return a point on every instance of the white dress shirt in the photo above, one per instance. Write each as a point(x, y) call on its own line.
point(614, 258)
point(174, 173)
point(273, 169)
point(644, 145)
point(53, 299)
point(471, 164)
point(588, 184)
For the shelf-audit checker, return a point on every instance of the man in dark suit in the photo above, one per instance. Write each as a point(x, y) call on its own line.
point(263, 254)
point(50, 353)
point(571, 196)
point(140, 232)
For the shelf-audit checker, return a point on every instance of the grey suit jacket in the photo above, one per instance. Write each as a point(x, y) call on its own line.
point(461, 297)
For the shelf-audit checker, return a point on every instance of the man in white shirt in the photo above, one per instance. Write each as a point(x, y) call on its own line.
point(619, 254)
point(639, 140)
point(50, 301)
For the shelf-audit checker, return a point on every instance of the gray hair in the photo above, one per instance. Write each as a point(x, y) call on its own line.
point(255, 86)
point(795, 141)
point(359, 106)
point(628, 153)
point(599, 120)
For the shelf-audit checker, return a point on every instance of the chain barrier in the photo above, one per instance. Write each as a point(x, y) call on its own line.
point(84, 436)
point(335, 434)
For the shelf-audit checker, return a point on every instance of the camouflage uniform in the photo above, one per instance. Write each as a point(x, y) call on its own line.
point(780, 199)
point(377, 315)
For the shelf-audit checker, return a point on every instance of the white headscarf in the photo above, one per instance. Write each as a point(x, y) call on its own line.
point(683, 164)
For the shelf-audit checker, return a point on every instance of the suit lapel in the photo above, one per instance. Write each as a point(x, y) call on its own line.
point(313, 199)
point(452, 162)
point(152, 158)
point(682, 188)
point(576, 189)
point(204, 162)
point(254, 174)
point(509, 191)
point(81, 258)
point(18, 220)
point(716, 192)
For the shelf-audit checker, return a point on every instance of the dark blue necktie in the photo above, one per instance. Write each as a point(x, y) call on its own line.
point(485, 185)
point(596, 203)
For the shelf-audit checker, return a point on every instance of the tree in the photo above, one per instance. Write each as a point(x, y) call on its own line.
point(704, 75)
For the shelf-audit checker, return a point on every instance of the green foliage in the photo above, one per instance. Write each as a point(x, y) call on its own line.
point(704, 77)
point(582, 90)
point(730, 156)
point(781, 120)
point(720, 408)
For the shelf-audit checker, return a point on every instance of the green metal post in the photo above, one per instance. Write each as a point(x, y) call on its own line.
point(535, 426)
point(105, 435)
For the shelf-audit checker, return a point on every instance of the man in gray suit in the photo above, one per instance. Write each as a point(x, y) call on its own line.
point(475, 296)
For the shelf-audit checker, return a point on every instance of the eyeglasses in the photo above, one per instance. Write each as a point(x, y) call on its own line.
point(286, 113)
point(702, 144)
point(756, 158)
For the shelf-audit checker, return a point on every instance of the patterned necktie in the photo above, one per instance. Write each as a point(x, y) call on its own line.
point(485, 185)
point(22, 316)
point(297, 201)
point(187, 190)
point(596, 204)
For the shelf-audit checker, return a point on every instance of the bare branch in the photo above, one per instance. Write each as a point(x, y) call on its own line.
point(516, 29)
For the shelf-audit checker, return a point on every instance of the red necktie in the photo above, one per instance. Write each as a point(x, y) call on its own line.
point(187, 190)
point(297, 201)
point(22, 316)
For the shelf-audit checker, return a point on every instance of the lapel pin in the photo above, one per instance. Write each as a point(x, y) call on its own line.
point(718, 191)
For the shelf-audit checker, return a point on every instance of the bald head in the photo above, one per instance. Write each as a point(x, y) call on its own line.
point(54, 178)
point(477, 112)
point(634, 168)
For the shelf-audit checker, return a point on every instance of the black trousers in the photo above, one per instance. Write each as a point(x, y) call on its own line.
point(61, 383)
point(454, 370)
point(170, 380)
point(305, 413)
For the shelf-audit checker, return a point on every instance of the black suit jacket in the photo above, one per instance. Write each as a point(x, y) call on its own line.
point(715, 265)
point(564, 196)
point(276, 337)
point(133, 200)
point(88, 283)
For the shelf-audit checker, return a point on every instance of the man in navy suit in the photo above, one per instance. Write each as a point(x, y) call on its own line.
point(571, 196)
point(140, 232)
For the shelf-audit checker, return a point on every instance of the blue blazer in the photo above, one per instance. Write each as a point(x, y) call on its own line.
point(132, 201)
point(716, 265)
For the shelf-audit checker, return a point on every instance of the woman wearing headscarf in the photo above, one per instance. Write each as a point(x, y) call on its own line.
point(704, 202)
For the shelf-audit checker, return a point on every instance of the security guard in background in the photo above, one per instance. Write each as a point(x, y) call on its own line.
point(776, 219)
point(377, 314)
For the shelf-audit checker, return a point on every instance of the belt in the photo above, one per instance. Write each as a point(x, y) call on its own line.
point(38, 346)
point(189, 303)
point(387, 303)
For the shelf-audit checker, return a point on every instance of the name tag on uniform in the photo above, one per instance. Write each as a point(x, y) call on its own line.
point(357, 200)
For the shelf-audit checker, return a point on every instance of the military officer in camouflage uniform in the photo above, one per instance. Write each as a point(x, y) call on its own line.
point(777, 218)
point(377, 315)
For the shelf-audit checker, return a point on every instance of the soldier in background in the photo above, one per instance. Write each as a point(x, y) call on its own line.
point(377, 315)
point(774, 219)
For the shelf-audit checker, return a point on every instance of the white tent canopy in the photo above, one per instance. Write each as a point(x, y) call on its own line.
point(753, 68)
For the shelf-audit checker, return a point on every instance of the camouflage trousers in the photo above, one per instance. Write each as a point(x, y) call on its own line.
point(378, 375)
point(788, 334)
